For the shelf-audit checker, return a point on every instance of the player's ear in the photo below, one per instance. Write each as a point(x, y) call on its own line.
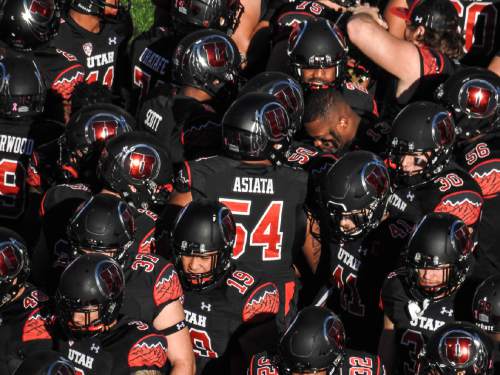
point(419, 33)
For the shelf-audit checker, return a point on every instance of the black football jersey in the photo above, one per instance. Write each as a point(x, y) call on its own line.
point(478, 22)
point(414, 322)
point(354, 362)
point(129, 346)
point(452, 191)
point(482, 160)
point(265, 202)
point(100, 53)
point(214, 315)
point(150, 56)
point(24, 328)
point(356, 270)
point(151, 284)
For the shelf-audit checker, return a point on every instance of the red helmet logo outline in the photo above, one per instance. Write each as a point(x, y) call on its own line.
point(458, 350)
point(277, 120)
point(9, 262)
point(104, 129)
point(110, 278)
point(217, 53)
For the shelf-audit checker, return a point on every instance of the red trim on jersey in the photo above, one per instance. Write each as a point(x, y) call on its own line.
point(289, 292)
point(188, 170)
point(42, 203)
point(144, 239)
point(67, 70)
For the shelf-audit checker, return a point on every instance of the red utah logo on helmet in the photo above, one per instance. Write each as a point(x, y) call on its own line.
point(103, 129)
point(141, 165)
point(216, 53)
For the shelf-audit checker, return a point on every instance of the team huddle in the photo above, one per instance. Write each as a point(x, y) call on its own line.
point(254, 187)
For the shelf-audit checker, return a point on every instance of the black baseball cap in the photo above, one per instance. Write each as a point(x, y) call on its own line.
point(437, 15)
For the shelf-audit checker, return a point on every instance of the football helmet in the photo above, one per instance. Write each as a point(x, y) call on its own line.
point(313, 342)
point(104, 223)
point(486, 305)
point(136, 166)
point(22, 91)
point(45, 363)
point(284, 88)
point(28, 24)
point(256, 127)
point(14, 264)
point(203, 227)
point(317, 44)
point(223, 15)
point(207, 60)
point(86, 132)
point(420, 128)
point(457, 348)
point(101, 7)
point(90, 283)
point(440, 242)
point(355, 188)
point(473, 96)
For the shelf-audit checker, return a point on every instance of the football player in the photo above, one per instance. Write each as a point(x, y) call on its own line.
point(486, 312)
point(106, 225)
point(354, 199)
point(477, 22)
point(270, 216)
point(315, 344)
point(23, 328)
point(97, 33)
point(45, 363)
point(423, 59)
point(317, 53)
point(90, 333)
point(222, 302)
point(424, 294)
point(152, 52)
point(472, 95)
point(27, 30)
point(206, 70)
point(457, 348)
point(424, 176)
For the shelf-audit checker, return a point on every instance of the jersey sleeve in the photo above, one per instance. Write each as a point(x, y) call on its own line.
point(263, 300)
point(145, 237)
point(68, 76)
point(167, 287)
point(59, 194)
point(261, 364)
point(393, 299)
point(149, 352)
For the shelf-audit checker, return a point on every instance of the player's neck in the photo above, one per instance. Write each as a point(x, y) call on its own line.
point(110, 192)
point(86, 21)
point(257, 162)
point(195, 93)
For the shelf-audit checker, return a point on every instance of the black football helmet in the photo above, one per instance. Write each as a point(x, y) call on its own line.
point(486, 305)
point(440, 241)
point(457, 348)
point(208, 60)
point(473, 96)
point(14, 264)
point(45, 363)
point(256, 127)
point(102, 8)
point(420, 127)
point(356, 187)
point(136, 166)
point(104, 223)
point(222, 15)
point(86, 132)
point(28, 24)
point(317, 44)
point(203, 227)
point(284, 88)
point(22, 91)
point(313, 342)
point(91, 280)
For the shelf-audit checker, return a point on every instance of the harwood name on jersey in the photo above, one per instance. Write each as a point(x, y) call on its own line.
point(253, 185)
point(80, 358)
point(196, 319)
point(16, 145)
point(153, 61)
point(101, 59)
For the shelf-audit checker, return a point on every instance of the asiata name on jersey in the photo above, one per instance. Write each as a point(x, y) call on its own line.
point(253, 185)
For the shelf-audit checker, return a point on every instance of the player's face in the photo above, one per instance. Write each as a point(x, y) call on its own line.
point(321, 372)
point(430, 278)
point(85, 316)
point(319, 77)
point(109, 252)
point(412, 164)
point(198, 264)
point(111, 10)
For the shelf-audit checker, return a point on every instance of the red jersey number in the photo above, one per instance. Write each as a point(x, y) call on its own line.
point(202, 344)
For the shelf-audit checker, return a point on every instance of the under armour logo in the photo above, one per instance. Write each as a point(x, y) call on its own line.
point(70, 343)
point(444, 311)
point(112, 41)
point(206, 306)
point(419, 19)
point(95, 348)
point(410, 196)
point(180, 326)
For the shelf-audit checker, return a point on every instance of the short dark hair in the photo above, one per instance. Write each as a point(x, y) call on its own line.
point(319, 102)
